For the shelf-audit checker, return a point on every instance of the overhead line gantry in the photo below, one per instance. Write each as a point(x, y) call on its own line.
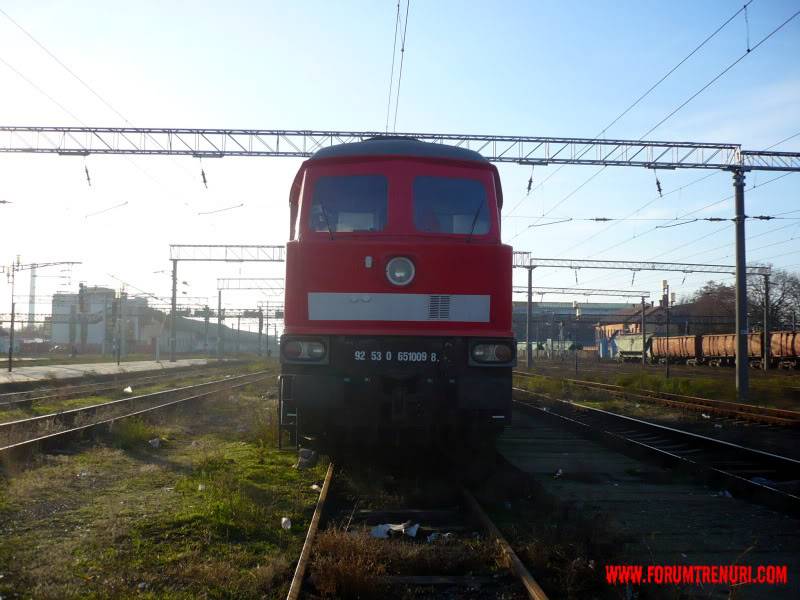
point(523, 150)
point(214, 253)
point(526, 261)
point(299, 143)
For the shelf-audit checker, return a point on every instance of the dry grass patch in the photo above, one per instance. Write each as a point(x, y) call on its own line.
point(199, 516)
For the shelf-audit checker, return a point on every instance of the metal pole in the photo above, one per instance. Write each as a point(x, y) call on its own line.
point(529, 315)
point(11, 333)
point(766, 347)
point(742, 376)
point(260, 331)
point(173, 323)
point(119, 328)
point(219, 325)
point(644, 337)
point(206, 315)
point(123, 344)
point(667, 344)
point(238, 331)
point(32, 300)
point(575, 346)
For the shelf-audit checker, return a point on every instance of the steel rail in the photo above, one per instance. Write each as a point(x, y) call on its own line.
point(535, 592)
point(216, 386)
point(750, 412)
point(13, 399)
point(766, 462)
point(514, 564)
point(305, 553)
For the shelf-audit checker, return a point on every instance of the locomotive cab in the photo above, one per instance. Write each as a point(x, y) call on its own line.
point(398, 295)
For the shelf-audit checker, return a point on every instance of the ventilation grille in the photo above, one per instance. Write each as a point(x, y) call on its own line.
point(439, 308)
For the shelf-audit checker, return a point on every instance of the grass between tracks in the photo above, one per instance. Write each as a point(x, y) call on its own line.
point(775, 392)
point(198, 516)
point(58, 403)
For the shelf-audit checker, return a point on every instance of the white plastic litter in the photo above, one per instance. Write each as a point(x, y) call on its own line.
point(286, 522)
point(155, 442)
point(386, 529)
point(316, 488)
point(717, 426)
point(705, 416)
point(558, 474)
point(201, 487)
point(128, 390)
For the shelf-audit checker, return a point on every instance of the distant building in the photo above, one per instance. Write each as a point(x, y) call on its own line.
point(87, 319)
point(95, 320)
point(558, 321)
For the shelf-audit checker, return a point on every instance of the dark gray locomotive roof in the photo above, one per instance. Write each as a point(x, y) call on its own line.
point(401, 146)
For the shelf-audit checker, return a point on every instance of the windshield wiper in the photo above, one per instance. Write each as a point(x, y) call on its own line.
point(327, 220)
point(475, 221)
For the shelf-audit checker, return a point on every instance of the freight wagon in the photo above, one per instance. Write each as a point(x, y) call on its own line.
point(716, 350)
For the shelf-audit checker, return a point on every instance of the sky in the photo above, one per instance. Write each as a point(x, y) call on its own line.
point(517, 68)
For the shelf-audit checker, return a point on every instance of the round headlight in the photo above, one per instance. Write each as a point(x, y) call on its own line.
point(400, 271)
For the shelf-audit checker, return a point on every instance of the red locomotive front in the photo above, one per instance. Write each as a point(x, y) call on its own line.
point(398, 293)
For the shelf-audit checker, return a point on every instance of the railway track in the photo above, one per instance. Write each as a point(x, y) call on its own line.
point(768, 478)
point(20, 399)
point(25, 433)
point(678, 370)
point(436, 525)
point(747, 412)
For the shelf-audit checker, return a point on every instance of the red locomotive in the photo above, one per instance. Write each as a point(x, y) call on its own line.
point(398, 295)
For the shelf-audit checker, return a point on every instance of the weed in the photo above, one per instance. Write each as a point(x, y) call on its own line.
point(132, 433)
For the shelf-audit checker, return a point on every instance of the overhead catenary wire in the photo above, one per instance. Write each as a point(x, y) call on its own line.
point(642, 97)
point(721, 73)
point(402, 59)
point(391, 72)
point(83, 83)
point(105, 210)
point(695, 211)
point(686, 102)
point(219, 210)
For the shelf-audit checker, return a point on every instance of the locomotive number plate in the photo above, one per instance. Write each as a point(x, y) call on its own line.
point(395, 357)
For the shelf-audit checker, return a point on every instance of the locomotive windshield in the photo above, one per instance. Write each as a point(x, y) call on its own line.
point(450, 205)
point(349, 203)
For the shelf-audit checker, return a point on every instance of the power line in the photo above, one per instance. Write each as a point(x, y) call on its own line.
point(41, 91)
point(683, 104)
point(786, 139)
point(638, 100)
point(689, 213)
point(391, 73)
point(65, 67)
point(91, 90)
point(641, 208)
point(721, 73)
point(402, 57)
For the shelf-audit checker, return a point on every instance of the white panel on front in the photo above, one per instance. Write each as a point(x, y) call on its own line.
point(336, 306)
